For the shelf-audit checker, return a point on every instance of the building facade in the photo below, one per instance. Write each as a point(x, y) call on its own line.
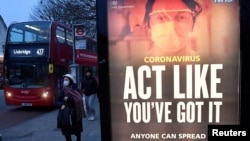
point(3, 31)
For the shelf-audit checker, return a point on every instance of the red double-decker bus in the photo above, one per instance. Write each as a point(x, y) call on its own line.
point(36, 55)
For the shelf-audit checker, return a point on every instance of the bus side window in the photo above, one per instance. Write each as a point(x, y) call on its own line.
point(69, 38)
point(60, 35)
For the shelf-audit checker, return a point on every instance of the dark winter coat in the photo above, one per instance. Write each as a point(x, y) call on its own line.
point(89, 85)
point(76, 125)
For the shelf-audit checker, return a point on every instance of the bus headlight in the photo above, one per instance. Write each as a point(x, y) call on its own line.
point(8, 94)
point(45, 94)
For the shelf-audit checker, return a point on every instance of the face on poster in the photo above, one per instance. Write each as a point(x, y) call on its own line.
point(174, 67)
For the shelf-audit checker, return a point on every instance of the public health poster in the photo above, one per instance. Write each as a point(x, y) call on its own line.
point(174, 67)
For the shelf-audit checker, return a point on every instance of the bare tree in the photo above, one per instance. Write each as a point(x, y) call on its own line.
point(68, 12)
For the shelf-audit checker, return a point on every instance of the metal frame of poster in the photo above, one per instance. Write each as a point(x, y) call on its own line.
point(173, 68)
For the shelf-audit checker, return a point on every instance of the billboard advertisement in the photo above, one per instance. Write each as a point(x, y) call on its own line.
point(174, 68)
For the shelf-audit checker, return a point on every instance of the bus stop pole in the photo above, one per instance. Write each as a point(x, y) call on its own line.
point(74, 68)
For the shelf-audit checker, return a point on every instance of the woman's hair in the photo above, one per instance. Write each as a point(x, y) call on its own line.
point(71, 82)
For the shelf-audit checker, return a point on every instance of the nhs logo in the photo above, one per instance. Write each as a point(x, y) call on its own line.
point(223, 1)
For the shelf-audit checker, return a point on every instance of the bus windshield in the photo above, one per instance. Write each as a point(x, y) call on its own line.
point(30, 32)
point(27, 76)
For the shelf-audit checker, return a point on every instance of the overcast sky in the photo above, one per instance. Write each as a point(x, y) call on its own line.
point(16, 10)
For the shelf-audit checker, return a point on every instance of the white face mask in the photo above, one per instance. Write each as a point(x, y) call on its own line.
point(165, 37)
point(65, 83)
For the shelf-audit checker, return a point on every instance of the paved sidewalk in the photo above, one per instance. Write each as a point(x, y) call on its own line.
point(43, 128)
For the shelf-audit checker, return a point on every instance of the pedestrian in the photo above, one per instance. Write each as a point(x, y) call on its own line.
point(90, 88)
point(68, 96)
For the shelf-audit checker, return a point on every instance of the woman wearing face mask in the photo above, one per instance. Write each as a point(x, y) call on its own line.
point(170, 23)
point(70, 97)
